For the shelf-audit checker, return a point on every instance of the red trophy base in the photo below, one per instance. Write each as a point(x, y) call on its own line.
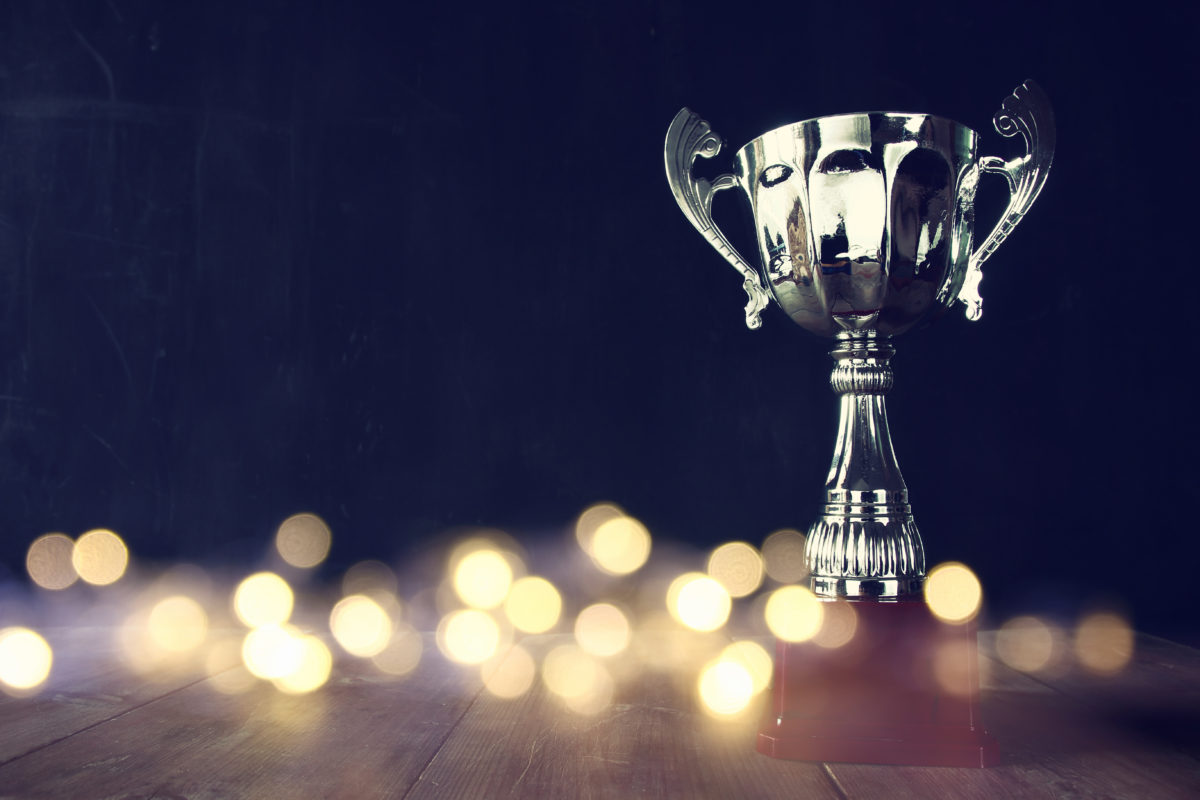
point(903, 690)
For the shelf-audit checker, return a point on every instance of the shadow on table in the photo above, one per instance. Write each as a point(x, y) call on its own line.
point(1033, 725)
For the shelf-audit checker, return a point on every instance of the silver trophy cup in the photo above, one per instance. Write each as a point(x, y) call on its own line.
point(865, 228)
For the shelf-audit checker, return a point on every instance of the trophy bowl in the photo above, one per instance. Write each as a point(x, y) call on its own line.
point(864, 220)
point(865, 225)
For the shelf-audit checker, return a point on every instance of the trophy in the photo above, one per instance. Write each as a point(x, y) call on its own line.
point(864, 226)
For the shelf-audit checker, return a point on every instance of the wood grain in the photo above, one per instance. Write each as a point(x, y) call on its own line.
point(653, 741)
point(1052, 746)
point(1155, 698)
point(362, 736)
point(88, 685)
point(99, 731)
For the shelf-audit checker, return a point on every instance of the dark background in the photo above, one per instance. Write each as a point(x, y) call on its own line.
point(418, 268)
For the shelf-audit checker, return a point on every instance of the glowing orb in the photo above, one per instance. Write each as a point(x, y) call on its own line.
point(602, 630)
point(264, 598)
point(620, 545)
point(49, 561)
point(311, 670)
point(838, 626)
point(25, 658)
point(482, 578)
point(699, 602)
point(754, 658)
point(402, 654)
point(303, 540)
point(360, 626)
point(738, 567)
point(591, 520)
point(1026, 643)
point(1104, 643)
point(533, 605)
point(272, 651)
point(794, 614)
point(783, 556)
point(511, 674)
point(369, 577)
point(725, 687)
point(177, 624)
point(468, 636)
point(100, 557)
point(579, 679)
point(953, 592)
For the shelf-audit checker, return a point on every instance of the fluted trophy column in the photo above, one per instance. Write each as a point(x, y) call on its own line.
point(866, 543)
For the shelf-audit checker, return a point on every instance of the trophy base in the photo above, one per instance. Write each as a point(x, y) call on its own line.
point(903, 690)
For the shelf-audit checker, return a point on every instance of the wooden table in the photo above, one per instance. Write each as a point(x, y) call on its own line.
point(98, 731)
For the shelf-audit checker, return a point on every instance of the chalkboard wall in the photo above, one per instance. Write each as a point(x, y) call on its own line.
point(416, 267)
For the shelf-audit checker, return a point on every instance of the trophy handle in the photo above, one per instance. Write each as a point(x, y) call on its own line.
point(1027, 112)
point(690, 137)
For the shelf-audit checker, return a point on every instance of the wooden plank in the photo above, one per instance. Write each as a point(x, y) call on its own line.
point(87, 685)
point(651, 742)
point(361, 736)
point(1155, 697)
point(436, 735)
point(1052, 746)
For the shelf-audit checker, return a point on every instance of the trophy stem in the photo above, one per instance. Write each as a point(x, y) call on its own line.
point(866, 544)
point(905, 688)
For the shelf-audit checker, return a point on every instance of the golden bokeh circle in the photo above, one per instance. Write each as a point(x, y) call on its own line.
point(100, 557)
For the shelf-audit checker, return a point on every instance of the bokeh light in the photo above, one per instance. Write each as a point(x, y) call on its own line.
point(794, 614)
point(186, 579)
point(511, 674)
point(482, 578)
point(754, 658)
point(738, 567)
point(303, 540)
point(533, 605)
point(620, 545)
point(264, 598)
point(100, 557)
point(838, 625)
point(597, 697)
point(370, 578)
point(582, 682)
point(726, 687)
point(403, 652)
point(177, 624)
point(953, 593)
point(952, 663)
point(590, 521)
point(25, 659)
point(1104, 643)
point(698, 601)
point(225, 668)
point(49, 561)
point(312, 668)
point(468, 636)
point(662, 643)
point(1026, 643)
point(390, 604)
point(272, 651)
point(139, 651)
point(783, 556)
point(360, 626)
point(602, 630)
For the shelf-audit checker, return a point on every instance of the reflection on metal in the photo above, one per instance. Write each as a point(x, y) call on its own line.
point(1025, 111)
point(864, 224)
point(866, 543)
point(689, 138)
